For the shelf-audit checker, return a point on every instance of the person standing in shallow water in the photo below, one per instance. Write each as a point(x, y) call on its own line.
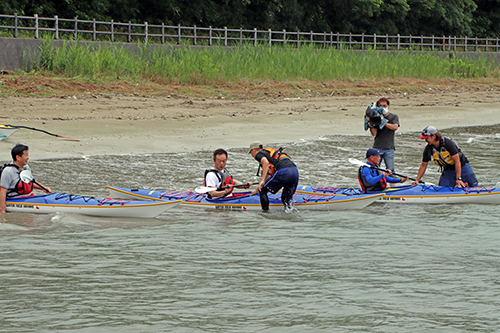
point(455, 167)
point(278, 172)
point(384, 137)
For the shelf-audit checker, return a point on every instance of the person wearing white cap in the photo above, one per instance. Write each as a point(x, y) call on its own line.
point(278, 172)
point(455, 167)
point(372, 179)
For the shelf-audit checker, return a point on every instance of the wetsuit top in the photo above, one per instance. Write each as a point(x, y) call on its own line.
point(11, 181)
point(442, 154)
point(277, 159)
point(373, 180)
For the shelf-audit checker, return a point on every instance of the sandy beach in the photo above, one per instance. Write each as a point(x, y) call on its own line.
point(115, 124)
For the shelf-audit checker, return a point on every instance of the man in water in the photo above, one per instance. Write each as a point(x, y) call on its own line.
point(11, 184)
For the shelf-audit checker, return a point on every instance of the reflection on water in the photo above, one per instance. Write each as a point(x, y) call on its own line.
point(385, 268)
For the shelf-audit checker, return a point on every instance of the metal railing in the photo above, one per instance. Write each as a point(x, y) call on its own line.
point(61, 28)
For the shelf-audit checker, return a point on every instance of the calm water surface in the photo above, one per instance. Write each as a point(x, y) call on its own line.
point(386, 268)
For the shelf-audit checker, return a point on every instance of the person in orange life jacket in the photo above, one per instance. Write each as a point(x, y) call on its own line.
point(219, 177)
point(373, 179)
point(455, 167)
point(11, 184)
point(278, 172)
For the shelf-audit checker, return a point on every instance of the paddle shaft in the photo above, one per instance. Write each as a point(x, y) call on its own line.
point(204, 189)
point(358, 162)
point(40, 130)
point(43, 188)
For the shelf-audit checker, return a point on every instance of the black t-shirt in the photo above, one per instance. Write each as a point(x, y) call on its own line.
point(284, 162)
point(448, 145)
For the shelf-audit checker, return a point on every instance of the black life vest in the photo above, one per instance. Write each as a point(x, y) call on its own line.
point(381, 185)
point(21, 187)
point(224, 178)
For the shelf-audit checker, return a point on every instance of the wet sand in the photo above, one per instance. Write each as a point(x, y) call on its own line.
point(114, 124)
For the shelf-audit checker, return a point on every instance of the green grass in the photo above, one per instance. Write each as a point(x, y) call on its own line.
point(249, 63)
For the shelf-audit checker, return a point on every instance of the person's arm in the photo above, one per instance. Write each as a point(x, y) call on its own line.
point(3, 196)
point(216, 194)
point(373, 130)
point(392, 127)
point(421, 172)
point(44, 188)
point(458, 169)
point(265, 168)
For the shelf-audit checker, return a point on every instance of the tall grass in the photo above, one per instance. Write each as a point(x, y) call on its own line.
point(259, 63)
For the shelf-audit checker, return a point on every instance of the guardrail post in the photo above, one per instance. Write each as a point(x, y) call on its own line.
point(486, 49)
point(409, 41)
point(465, 44)
point(163, 33)
point(475, 46)
point(194, 35)
point(284, 37)
point(270, 38)
point(255, 36)
point(129, 36)
point(112, 28)
point(331, 39)
point(76, 27)
point(350, 40)
point(15, 25)
point(241, 36)
point(374, 41)
point(432, 46)
point(324, 39)
point(338, 40)
point(454, 43)
point(145, 32)
point(298, 39)
point(312, 38)
point(444, 43)
point(225, 36)
point(179, 34)
point(399, 41)
point(94, 34)
point(36, 26)
point(210, 36)
point(386, 42)
point(56, 27)
point(496, 48)
point(421, 42)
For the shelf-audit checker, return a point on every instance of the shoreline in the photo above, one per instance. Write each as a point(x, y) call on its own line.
point(114, 124)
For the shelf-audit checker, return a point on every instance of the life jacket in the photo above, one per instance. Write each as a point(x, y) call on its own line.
point(21, 187)
point(442, 157)
point(224, 178)
point(381, 185)
point(276, 155)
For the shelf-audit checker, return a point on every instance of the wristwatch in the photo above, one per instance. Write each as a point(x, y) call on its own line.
point(459, 178)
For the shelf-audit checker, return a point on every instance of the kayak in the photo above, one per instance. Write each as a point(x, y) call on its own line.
point(6, 131)
point(244, 201)
point(69, 203)
point(419, 194)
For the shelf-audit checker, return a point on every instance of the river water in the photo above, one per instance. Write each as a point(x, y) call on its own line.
point(386, 268)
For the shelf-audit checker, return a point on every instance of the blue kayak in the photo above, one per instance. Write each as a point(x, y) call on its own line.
point(418, 194)
point(244, 201)
point(69, 203)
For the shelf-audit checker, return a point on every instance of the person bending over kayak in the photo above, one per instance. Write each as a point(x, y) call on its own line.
point(455, 168)
point(219, 177)
point(278, 172)
point(11, 184)
point(372, 179)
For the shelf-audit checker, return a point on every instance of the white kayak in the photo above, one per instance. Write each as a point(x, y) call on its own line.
point(244, 201)
point(69, 203)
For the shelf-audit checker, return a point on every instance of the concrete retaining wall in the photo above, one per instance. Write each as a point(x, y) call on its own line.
point(16, 52)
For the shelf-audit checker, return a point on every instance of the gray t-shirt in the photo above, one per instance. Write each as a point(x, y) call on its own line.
point(10, 178)
point(385, 137)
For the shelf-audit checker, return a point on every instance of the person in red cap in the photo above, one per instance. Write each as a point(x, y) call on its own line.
point(455, 167)
point(371, 178)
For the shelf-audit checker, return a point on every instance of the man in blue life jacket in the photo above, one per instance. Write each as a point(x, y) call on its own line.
point(372, 179)
point(11, 184)
point(278, 172)
point(455, 167)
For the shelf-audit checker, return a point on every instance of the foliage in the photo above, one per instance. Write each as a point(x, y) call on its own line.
point(417, 17)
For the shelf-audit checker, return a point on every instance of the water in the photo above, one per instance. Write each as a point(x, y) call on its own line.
point(386, 268)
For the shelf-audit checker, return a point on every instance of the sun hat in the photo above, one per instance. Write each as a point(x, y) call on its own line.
point(255, 145)
point(372, 152)
point(426, 132)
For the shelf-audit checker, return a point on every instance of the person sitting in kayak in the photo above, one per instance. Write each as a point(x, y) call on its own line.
point(11, 184)
point(278, 172)
point(220, 179)
point(455, 168)
point(372, 179)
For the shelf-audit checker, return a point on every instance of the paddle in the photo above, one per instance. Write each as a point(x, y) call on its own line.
point(206, 189)
point(360, 163)
point(40, 130)
point(27, 177)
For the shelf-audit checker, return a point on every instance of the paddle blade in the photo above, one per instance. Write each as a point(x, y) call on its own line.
point(26, 176)
point(356, 162)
